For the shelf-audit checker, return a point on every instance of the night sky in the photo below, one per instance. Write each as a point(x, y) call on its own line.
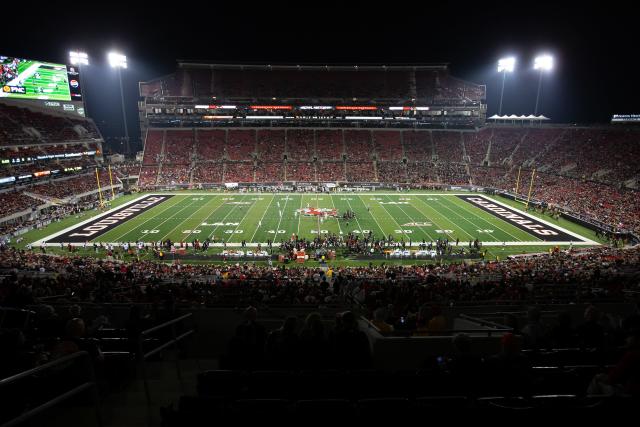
point(593, 47)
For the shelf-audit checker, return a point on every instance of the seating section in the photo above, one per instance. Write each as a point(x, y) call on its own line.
point(153, 147)
point(358, 145)
point(503, 143)
point(421, 172)
point(209, 144)
point(240, 144)
point(417, 146)
point(477, 144)
point(14, 201)
point(207, 173)
point(174, 174)
point(329, 144)
point(300, 145)
point(330, 171)
point(395, 169)
point(448, 146)
point(48, 127)
point(300, 171)
point(178, 147)
point(270, 172)
point(271, 145)
point(239, 172)
point(388, 145)
point(360, 172)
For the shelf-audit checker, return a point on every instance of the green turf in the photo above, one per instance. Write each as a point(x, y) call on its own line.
point(234, 217)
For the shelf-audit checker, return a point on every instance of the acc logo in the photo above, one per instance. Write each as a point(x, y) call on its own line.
point(417, 224)
point(74, 84)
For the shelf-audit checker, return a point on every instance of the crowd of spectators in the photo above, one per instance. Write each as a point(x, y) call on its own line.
point(599, 272)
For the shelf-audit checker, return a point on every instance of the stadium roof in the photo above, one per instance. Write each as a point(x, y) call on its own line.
point(329, 67)
point(521, 118)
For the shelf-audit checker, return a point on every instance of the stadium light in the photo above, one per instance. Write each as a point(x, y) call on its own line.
point(119, 61)
point(542, 63)
point(78, 58)
point(505, 65)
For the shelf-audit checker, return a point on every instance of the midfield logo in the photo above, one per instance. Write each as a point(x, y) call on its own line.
point(317, 212)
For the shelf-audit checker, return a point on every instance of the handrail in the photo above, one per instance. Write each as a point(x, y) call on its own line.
point(142, 356)
point(89, 384)
point(165, 324)
point(483, 321)
point(40, 368)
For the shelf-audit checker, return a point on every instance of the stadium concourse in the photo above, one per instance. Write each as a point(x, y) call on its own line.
point(391, 168)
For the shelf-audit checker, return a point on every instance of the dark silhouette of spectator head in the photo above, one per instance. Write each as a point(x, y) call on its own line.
point(509, 344)
point(461, 343)
point(250, 314)
point(75, 328)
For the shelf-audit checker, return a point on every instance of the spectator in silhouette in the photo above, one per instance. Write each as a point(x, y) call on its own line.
point(509, 371)
point(314, 346)
point(438, 322)
point(351, 345)
point(562, 334)
point(379, 316)
point(590, 333)
point(624, 378)
point(533, 332)
point(75, 340)
point(283, 345)
point(464, 367)
point(247, 346)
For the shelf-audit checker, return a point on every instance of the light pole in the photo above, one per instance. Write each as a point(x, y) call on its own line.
point(80, 59)
point(542, 63)
point(119, 61)
point(505, 65)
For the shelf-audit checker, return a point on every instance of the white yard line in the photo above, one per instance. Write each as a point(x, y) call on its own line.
point(412, 220)
point(479, 227)
point(215, 198)
point(263, 214)
point(225, 217)
point(448, 220)
point(286, 200)
point(336, 217)
point(384, 236)
point(131, 230)
point(240, 222)
point(173, 217)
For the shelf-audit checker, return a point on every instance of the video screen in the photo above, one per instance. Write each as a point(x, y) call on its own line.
point(29, 79)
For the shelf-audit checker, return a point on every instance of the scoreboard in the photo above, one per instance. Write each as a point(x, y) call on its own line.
point(31, 79)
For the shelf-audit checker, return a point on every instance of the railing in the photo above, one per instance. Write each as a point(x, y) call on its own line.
point(444, 332)
point(143, 355)
point(90, 384)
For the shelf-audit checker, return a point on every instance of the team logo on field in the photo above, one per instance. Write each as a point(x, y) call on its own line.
point(317, 212)
point(417, 224)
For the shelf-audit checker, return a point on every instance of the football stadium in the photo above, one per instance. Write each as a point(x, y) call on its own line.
point(301, 240)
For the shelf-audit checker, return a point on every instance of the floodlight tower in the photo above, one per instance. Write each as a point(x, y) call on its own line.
point(119, 61)
point(542, 63)
point(80, 59)
point(505, 65)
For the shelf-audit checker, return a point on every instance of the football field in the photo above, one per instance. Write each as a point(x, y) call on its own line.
point(227, 218)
